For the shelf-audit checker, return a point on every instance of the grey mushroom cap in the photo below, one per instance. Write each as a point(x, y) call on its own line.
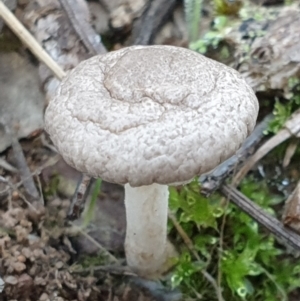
point(150, 114)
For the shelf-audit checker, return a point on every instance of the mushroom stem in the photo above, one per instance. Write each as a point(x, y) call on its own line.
point(146, 232)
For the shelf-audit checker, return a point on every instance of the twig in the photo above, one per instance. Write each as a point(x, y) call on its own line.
point(77, 12)
point(192, 249)
point(22, 196)
point(23, 168)
point(258, 214)
point(290, 129)
point(48, 145)
point(21, 163)
point(213, 180)
point(5, 165)
point(16, 26)
point(79, 198)
point(14, 187)
point(148, 24)
point(49, 162)
point(98, 245)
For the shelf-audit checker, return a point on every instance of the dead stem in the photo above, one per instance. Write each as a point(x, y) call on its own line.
point(192, 249)
point(290, 129)
point(80, 196)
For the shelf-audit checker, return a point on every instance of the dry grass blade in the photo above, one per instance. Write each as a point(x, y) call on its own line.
point(291, 128)
point(24, 35)
point(289, 153)
point(192, 249)
point(260, 153)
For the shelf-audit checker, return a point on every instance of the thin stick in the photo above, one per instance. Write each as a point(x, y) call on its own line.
point(211, 181)
point(80, 196)
point(188, 242)
point(24, 35)
point(277, 228)
point(5, 165)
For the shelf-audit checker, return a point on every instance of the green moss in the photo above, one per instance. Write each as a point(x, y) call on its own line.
point(251, 264)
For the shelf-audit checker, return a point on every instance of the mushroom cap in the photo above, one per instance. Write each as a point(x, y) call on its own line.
point(150, 114)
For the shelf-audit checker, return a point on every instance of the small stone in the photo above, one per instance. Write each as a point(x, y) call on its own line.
point(25, 281)
point(38, 253)
point(15, 195)
point(21, 258)
point(19, 266)
point(26, 252)
point(44, 297)
point(40, 281)
point(12, 280)
point(59, 265)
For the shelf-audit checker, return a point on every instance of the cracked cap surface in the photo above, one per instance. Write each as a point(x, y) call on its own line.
point(150, 114)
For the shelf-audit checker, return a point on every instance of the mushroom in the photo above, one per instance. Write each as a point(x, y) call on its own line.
point(148, 117)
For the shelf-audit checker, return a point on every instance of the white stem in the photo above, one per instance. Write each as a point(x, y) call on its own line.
point(146, 232)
